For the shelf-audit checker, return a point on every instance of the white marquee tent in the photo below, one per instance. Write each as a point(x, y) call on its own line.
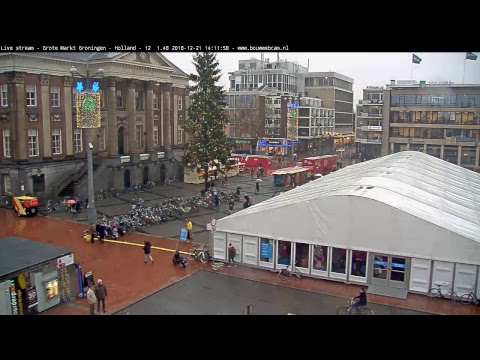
point(408, 204)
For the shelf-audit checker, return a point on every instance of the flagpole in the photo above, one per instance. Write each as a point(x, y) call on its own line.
point(464, 66)
point(411, 73)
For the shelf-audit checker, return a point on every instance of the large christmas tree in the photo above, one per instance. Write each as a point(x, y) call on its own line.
point(207, 141)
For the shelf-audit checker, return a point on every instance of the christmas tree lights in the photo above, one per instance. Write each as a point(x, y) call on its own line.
point(88, 110)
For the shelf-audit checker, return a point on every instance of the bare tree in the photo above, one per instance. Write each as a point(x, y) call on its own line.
point(251, 126)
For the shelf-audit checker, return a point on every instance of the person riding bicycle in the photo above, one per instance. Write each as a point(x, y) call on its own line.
point(360, 300)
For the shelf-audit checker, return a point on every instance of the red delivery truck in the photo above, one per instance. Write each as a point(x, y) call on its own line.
point(320, 164)
point(253, 161)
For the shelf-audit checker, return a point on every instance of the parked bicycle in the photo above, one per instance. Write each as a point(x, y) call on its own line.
point(353, 310)
point(3, 202)
point(470, 298)
point(52, 206)
point(286, 273)
point(201, 254)
point(437, 292)
point(169, 181)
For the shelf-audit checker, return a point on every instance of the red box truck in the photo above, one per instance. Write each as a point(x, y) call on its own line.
point(322, 165)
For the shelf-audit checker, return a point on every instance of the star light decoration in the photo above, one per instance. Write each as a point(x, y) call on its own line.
point(79, 86)
point(95, 86)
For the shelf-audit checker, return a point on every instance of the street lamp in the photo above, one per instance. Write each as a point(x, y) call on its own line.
point(88, 117)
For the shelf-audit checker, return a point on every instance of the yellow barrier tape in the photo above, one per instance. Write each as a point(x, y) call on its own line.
point(135, 244)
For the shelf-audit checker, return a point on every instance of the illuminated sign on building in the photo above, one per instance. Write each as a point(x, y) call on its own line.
point(13, 298)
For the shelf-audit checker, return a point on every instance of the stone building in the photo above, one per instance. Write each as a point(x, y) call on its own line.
point(144, 100)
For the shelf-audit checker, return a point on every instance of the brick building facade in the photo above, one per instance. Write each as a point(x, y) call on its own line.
point(144, 101)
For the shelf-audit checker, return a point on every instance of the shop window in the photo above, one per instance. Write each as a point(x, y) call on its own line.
point(320, 258)
point(284, 252)
point(302, 252)
point(359, 263)
point(266, 253)
point(339, 257)
point(38, 182)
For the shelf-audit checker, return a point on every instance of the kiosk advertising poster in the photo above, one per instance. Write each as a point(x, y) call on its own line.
point(32, 298)
point(183, 234)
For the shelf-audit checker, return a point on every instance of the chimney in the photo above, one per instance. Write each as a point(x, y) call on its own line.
point(392, 82)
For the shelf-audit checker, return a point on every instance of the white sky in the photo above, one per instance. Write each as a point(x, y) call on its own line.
point(367, 69)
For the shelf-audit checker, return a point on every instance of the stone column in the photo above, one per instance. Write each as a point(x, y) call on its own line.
point(176, 95)
point(167, 134)
point(442, 148)
point(68, 104)
point(19, 117)
point(149, 121)
point(459, 156)
point(112, 132)
point(131, 114)
point(45, 98)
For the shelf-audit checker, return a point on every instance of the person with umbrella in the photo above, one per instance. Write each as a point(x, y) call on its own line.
point(257, 185)
point(71, 205)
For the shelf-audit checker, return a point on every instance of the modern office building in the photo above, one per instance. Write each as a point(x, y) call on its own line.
point(336, 92)
point(258, 95)
point(441, 120)
point(369, 118)
point(143, 101)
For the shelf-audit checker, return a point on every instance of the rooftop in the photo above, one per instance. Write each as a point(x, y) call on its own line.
point(17, 254)
point(421, 185)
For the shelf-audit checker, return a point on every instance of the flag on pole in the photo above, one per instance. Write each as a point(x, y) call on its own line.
point(471, 56)
point(416, 59)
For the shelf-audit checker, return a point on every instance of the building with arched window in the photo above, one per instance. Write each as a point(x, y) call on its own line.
point(144, 98)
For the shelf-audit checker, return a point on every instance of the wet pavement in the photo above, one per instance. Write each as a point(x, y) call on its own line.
point(123, 204)
point(208, 293)
point(119, 264)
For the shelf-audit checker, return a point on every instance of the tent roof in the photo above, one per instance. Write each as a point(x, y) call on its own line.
point(421, 185)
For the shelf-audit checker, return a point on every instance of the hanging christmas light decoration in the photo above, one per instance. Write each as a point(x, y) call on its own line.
point(88, 110)
point(292, 119)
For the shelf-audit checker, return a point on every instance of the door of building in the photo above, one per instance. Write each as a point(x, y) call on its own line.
point(389, 271)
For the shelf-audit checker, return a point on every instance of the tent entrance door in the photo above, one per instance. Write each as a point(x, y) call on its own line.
point(389, 271)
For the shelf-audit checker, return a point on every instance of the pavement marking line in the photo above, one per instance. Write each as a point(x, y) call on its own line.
point(153, 247)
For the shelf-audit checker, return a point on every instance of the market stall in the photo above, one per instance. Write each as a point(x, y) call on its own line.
point(34, 276)
point(290, 176)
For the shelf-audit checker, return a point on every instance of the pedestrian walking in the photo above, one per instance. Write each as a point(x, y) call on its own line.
point(257, 187)
point(102, 232)
point(73, 209)
point(92, 233)
point(78, 206)
point(101, 294)
point(217, 203)
point(92, 299)
point(189, 230)
point(231, 204)
point(146, 251)
point(232, 252)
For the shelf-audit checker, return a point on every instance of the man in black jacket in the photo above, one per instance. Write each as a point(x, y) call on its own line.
point(146, 251)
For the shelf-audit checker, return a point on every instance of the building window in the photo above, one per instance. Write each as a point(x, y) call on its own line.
point(139, 135)
point(284, 252)
point(57, 141)
point(139, 100)
point(55, 96)
point(320, 258)
point(119, 99)
point(7, 184)
point(33, 142)
point(359, 263)
point(7, 143)
point(101, 139)
point(31, 95)
point(266, 253)
point(155, 101)
point(103, 99)
point(77, 140)
point(339, 257)
point(180, 135)
point(4, 95)
point(302, 255)
point(155, 135)
point(180, 102)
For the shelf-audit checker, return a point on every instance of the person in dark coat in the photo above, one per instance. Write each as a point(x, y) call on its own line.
point(101, 294)
point(146, 251)
point(102, 233)
point(217, 203)
point(78, 206)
